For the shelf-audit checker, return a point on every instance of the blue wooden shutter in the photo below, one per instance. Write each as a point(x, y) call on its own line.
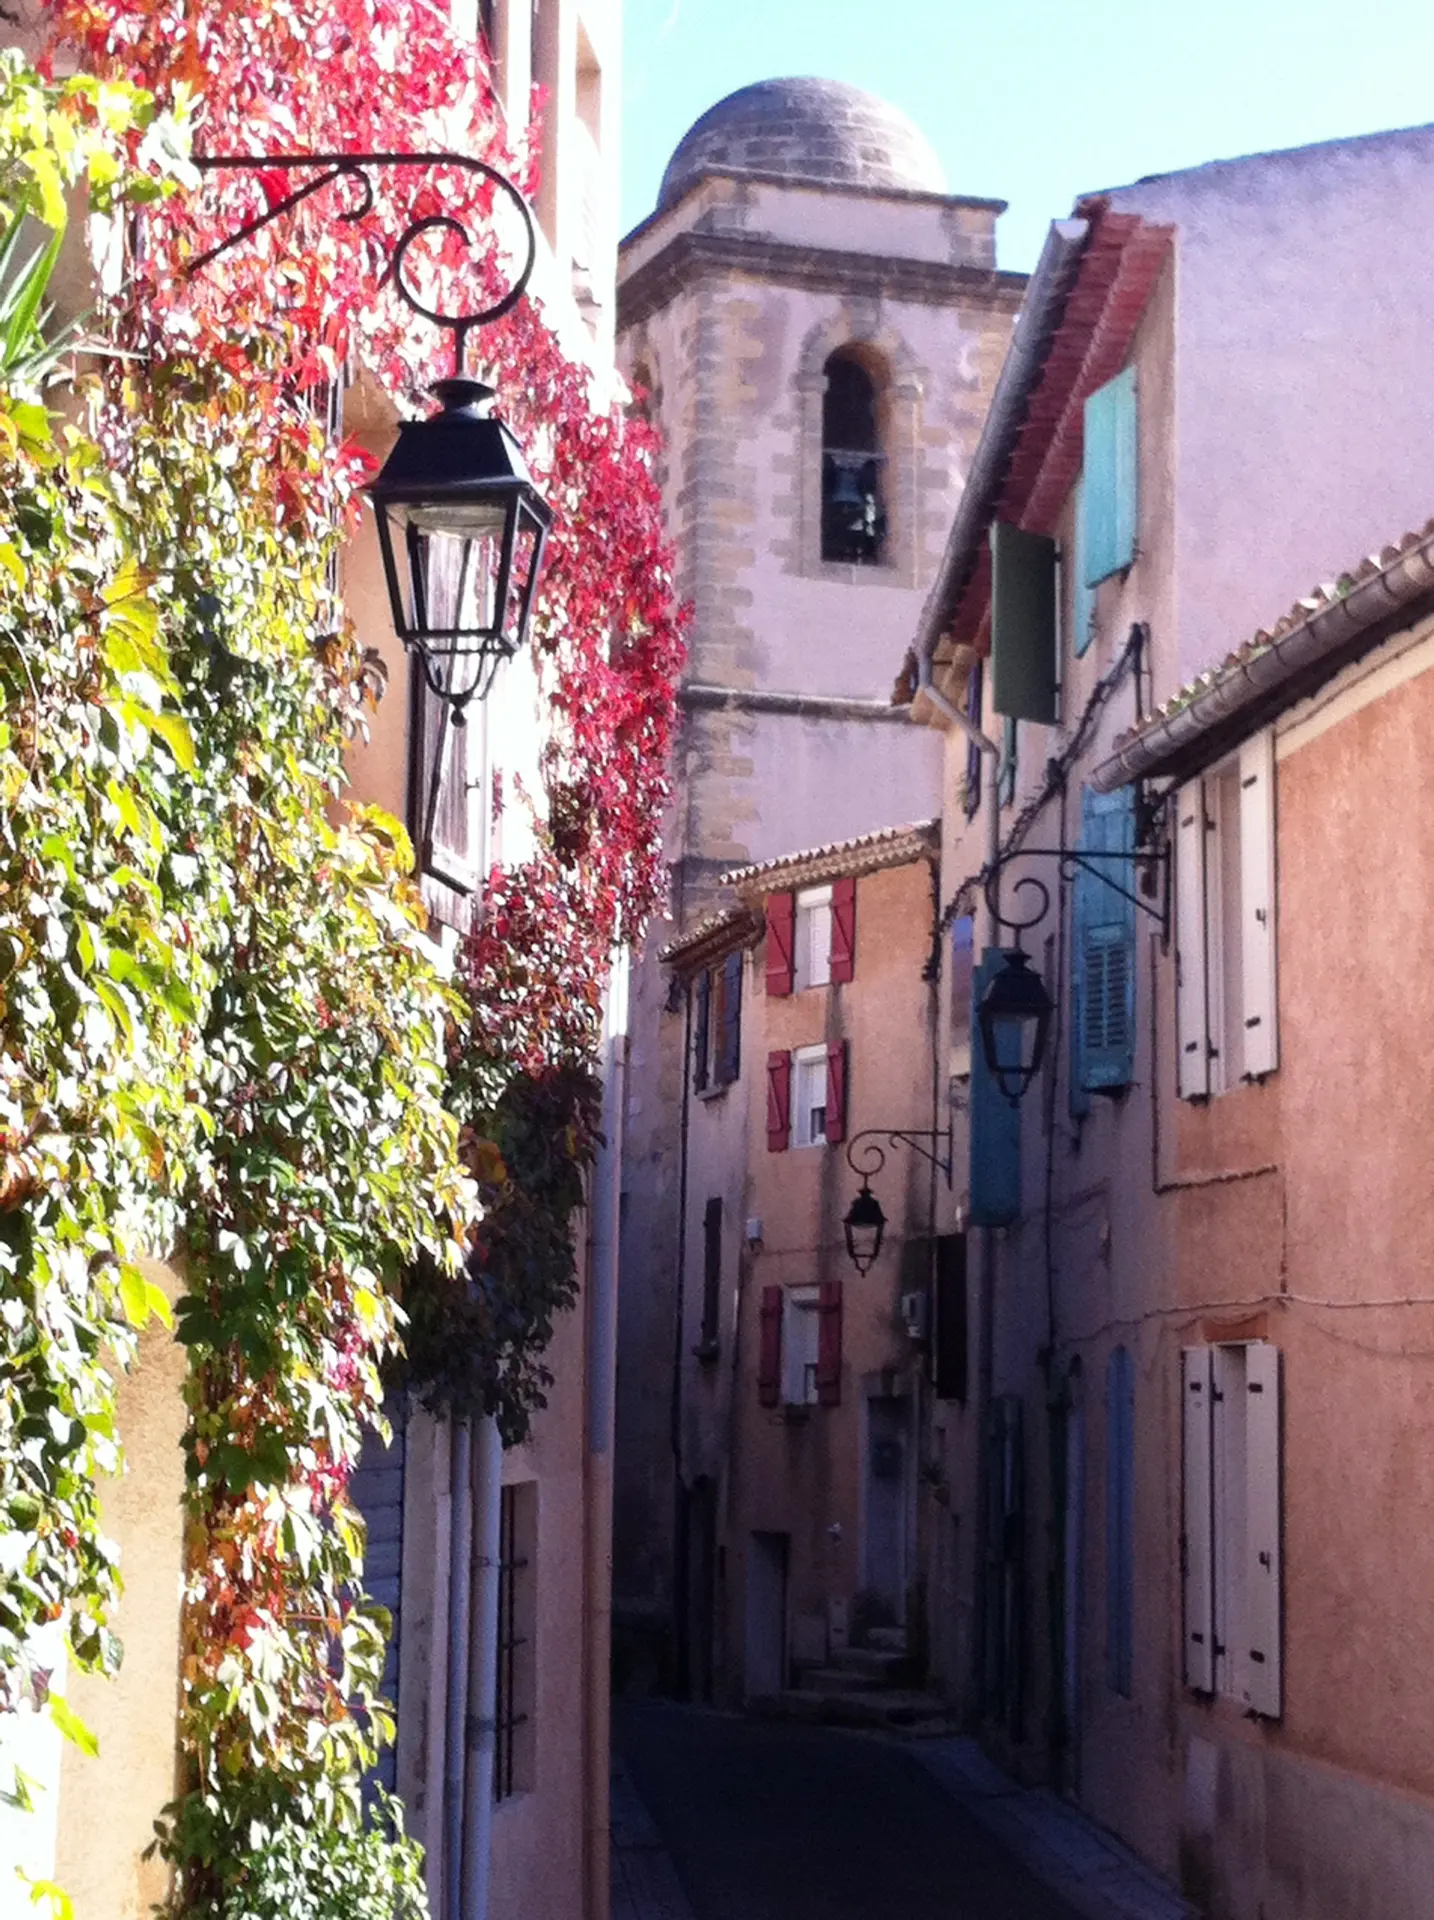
point(1103, 973)
point(1108, 492)
point(995, 1125)
point(1119, 1518)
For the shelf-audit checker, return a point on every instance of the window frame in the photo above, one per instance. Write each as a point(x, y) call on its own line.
point(811, 955)
point(801, 1307)
point(806, 1061)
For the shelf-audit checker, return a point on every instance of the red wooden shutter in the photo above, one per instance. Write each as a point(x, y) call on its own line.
point(769, 1359)
point(779, 1102)
point(836, 1091)
point(781, 941)
point(843, 959)
point(829, 1345)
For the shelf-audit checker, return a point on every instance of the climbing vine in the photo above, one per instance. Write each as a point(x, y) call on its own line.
point(219, 1018)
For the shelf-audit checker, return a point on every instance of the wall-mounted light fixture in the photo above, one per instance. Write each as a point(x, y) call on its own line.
point(1014, 1015)
point(865, 1222)
point(461, 523)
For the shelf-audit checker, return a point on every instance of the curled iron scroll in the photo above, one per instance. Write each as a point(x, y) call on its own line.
point(1027, 882)
point(873, 1157)
point(359, 166)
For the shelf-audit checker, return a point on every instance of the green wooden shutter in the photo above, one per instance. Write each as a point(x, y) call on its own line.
point(1103, 974)
point(1082, 597)
point(1023, 624)
point(1108, 493)
point(995, 1125)
point(1006, 766)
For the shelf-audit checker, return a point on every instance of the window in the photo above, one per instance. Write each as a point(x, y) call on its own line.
point(1023, 623)
point(813, 954)
point(1226, 1005)
point(801, 1345)
point(853, 516)
point(449, 801)
point(1108, 481)
point(1103, 951)
point(717, 1025)
point(1230, 1540)
point(1119, 1519)
point(809, 1096)
point(800, 1359)
point(711, 1278)
point(513, 1756)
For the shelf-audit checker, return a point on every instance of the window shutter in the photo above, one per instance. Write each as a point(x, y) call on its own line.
point(1197, 1559)
point(1257, 903)
point(1262, 1528)
point(769, 1356)
point(1192, 1006)
point(1119, 1518)
point(779, 1102)
point(781, 936)
point(711, 1272)
point(836, 1091)
point(829, 1345)
point(1103, 981)
point(1108, 491)
point(1023, 624)
point(1006, 766)
point(843, 947)
point(995, 1125)
point(701, 1029)
point(974, 700)
point(1082, 596)
point(729, 1059)
point(949, 1346)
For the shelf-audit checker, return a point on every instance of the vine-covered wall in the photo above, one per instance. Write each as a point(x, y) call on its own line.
point(220, 1020)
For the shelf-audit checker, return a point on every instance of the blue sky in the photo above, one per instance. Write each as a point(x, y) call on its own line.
point(1035, 101)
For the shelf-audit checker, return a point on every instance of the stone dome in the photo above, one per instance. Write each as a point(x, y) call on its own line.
point(821, 132)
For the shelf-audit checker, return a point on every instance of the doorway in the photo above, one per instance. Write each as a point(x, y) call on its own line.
point(766, 1651)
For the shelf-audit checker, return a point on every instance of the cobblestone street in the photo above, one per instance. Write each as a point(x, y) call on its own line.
point(717, 1818)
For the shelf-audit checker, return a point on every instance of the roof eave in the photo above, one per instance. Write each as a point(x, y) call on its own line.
point(1253, 689)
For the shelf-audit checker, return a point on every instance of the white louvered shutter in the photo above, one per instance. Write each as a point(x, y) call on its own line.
point(1197, 1560)
point(1262, 1690)
point(1257, 904)
point(1192, 1016)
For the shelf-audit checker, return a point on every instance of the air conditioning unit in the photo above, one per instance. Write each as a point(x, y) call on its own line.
point(914, 1313)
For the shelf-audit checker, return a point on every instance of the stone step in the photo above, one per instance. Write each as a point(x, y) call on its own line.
point(839, 1680)
point(886, 1639)
point(892, 1668)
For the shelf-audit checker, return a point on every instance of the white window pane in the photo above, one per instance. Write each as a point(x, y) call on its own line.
point(809, 1101)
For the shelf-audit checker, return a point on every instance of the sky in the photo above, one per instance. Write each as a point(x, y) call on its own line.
point(1037, 101)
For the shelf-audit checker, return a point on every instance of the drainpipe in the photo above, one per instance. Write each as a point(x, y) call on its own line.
point(604, 1221)
point(460, 1574)
point(986, 1243)
point(482, 1689)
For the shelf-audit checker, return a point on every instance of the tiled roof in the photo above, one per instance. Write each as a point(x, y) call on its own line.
point(715, 934)
point(888, 847)
point(1278, 665)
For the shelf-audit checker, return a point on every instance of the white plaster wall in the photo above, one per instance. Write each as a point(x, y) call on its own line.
point(1305, 418)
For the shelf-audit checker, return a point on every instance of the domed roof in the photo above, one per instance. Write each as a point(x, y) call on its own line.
point(822, 132)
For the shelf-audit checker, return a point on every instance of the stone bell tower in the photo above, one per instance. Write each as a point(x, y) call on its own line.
point(818, 325)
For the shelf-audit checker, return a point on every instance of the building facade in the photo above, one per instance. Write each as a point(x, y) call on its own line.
point(816, 324)
point(516, 1824)
point(1198, 1316)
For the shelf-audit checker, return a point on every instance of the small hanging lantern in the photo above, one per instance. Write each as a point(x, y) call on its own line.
point(461, 526)
point(865, 1224)
point(1015, 1017)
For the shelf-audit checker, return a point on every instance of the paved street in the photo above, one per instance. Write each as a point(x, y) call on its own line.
point(770, 1822)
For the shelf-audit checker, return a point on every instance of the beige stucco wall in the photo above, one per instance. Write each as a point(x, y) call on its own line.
point(108, 1806)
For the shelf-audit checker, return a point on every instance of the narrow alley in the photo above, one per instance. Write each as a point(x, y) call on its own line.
point(719, 1818)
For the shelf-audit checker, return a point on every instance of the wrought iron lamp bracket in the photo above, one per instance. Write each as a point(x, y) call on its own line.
point(1150, 865)
point(361, 167)
point(873, 1157)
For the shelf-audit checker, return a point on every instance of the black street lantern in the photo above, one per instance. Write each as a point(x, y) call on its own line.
point(1015, 1017)
point(461, 526)
point(865, 1224)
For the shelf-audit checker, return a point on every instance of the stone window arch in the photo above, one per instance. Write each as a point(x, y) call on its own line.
point(857, 383)
point(853, 494)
